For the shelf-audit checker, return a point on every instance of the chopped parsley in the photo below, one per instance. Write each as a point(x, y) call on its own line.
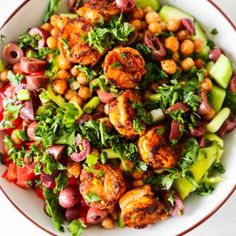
point(116, 65)
point(92, 197)
point(76, 227)
point(15, 79)
point(214, 31)
point(26, 40)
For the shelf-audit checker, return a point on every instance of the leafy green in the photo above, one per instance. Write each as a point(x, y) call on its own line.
point(61, 182)
point(76, 227)
point(192, 100)
point(52, 8)
point(104, 37)
point(10, 113)
point(137, 125)
point(143, 49)
point(92, 197)
point(14, 79)
point(26, 40)
point(89, 72)
point(66, 46)
point(142, 113)
point(53, 208)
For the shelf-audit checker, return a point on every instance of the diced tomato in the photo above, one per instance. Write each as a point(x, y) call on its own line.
point(24, 175)
point(11, 173)
point(71, 181)
point(39, 192)
point(6, 160)
point(16, 69)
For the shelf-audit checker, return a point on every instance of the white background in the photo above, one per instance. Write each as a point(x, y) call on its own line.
point(222, 223)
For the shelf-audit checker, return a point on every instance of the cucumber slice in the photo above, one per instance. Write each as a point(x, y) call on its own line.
point(209, 65)
point(218, 120)
point(23, 95)
point(69, 15)
point(200, 33)
point(154, 4)
point(222, 71)
point(217, 97)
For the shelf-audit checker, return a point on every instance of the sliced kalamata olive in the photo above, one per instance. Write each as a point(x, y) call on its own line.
point(80, 156)
point(198, 131)
point(232, 84)
point(215, 54)
point(12, 53)
point(95, 215)
point(188, 25)
point(48, 181)
point(73, 5)
point(156, 46)
point(178, 106)
point(32, 65)
point(43, 35)
point(105, 97)
point(56, 151)
point(27, 111)
point(125, 5)
point(132, 39)
point(69, 197)
point(175, 133)
point(31, 131)
point(36, 82)
point(72, 213)
point(228, 126)
point(204, 107)
point(84, 118)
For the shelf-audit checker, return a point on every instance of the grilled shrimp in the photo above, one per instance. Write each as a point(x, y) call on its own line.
point(124, 67)
point(101, 186)
point(97, 10)
point(72, 46)
point(139, 208)
point(155, 151)
point(122, 115)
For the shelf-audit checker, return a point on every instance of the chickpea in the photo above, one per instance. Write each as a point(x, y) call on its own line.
point(52, 42)
point(63, 74)
point(144, 25)
point(172, 43)
point(74, 169)
point(54, 31)
point(64, 64)
point(82, 78)
point(54, 20)
point(137, 174)
point(69, 94)
point(198, 45)
point(137, 13)
point(169, 66)
point(163, 25)
point(62, 22)
point(47, 27)
point(138, 183)
point(199, 63)
point(147, 9)
point(84, 93)
point(187, 64)
point(206, 85)
point(15, 138)
point(3, 76)
point(74, 71)
point(154, 28)
point(107, 223)
point(175, 56)
point(77, 99)
point(182, 35)
point(173, 25)
point(137, 24)
point(59, 86)
point(187, 47)
point(152, 17)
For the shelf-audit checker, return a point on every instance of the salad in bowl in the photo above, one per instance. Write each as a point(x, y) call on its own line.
point(115, 112)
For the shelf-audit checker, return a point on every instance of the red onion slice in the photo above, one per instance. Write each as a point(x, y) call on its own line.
point(31, 131)
point(48, 181)
point(42, 34)
point(198, 131)
point(232, 84)
point(156, 46)
point(228, 126)
point(188, 25)
point(27, 111)
point(105, 97)
point(12, 53)
point(175, 133)
point(32, 65)
point(215, 54)
point(56, 151)
point(77, 157)
point(204, 107)
point(178, 106)
point(125, 5)
point(95, 216)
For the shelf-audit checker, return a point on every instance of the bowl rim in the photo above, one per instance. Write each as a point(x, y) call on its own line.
point(199, 222)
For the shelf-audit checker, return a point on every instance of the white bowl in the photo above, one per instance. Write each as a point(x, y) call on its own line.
point(198, 209)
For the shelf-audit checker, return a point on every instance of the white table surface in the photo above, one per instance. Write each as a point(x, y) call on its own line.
point(222, 223)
